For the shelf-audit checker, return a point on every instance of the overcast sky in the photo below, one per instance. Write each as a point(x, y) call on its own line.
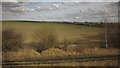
point(59, 11)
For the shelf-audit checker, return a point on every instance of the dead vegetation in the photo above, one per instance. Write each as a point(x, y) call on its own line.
point(30, 54)
point(98, 51)
point(20, 55)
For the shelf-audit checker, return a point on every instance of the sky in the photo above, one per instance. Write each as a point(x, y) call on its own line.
point(59, 10)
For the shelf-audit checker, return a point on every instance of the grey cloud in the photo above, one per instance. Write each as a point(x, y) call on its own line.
point(8, 7)
point(71, 11)
point(113, 7)
point(57, 5)
point(13, 8)
point(12, 4)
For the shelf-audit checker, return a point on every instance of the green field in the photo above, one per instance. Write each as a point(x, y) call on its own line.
point(64, 31)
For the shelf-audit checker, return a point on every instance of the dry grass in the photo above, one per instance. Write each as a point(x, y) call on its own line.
point(57, 53)
point(20, 55)
point(98, 51)
point(30, 54)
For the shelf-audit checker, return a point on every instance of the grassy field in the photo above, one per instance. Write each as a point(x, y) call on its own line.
point(64, 31)
point(86, 35)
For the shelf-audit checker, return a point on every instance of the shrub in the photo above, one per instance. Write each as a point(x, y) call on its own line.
point(11, 40)
point(46, 37)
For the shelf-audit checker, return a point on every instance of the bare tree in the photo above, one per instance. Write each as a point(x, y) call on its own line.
point(46, 37)
point(110, 30)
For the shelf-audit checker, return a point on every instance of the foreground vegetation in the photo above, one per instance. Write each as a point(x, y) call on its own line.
point(52, 53)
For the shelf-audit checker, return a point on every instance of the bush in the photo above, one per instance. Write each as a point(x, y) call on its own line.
point(11, 40)
point(46, 37)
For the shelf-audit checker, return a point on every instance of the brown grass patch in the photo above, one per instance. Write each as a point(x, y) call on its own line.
point(21, 55)
point(30, 54)
point(98, 51)
point(57, 53)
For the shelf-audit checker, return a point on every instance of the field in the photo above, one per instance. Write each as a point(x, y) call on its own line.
point(64, 31)
point(85, 35)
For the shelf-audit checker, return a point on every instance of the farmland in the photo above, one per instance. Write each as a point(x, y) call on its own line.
point(81, 35)
point(64, 31)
